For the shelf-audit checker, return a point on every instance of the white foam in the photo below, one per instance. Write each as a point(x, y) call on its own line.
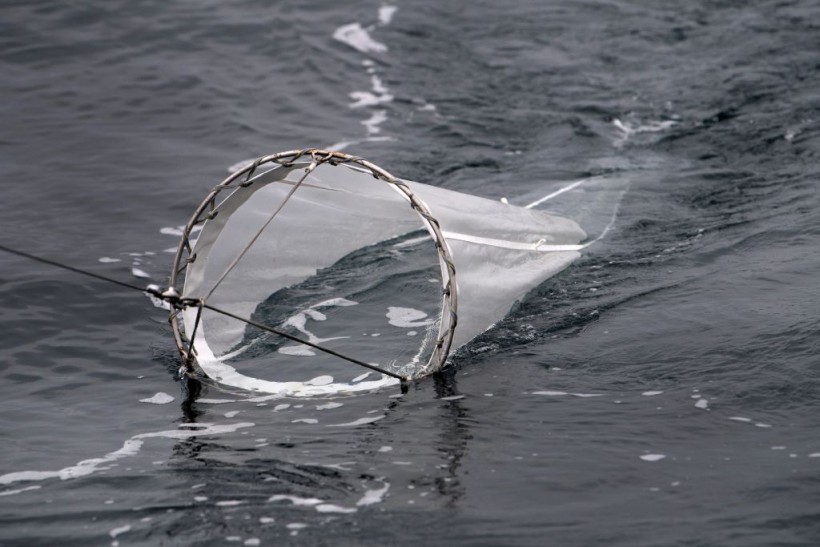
point(298, 351)
point(330, 508)
point(407, 317)
point(374, 121)
point(375, 495)
point(136, 272)
point(226, 374)
point(296, 500)
point(129, 448)
point(299, 322)
point(379, 94)
point(740, 419)
point(159, 399)
point(37, 487)
point(157, 302)
point(172, 231)
point(328, 406)
point(652, 457)
point(651, 393)
point(119, 530)
point(305, 421)
point(628, 129)
point(361, 377)
point(320, 381)
point(262, 398)
point(560, 393)
point(386, 14)
point(355, 36)
point(360, 421)
point(366, 98)
point(229, 503)
point(702, 404)
point(107, 260)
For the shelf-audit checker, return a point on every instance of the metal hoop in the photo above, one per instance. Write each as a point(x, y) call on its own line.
point(208, 208)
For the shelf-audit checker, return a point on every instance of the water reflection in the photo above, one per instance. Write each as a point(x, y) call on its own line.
point(283, 469)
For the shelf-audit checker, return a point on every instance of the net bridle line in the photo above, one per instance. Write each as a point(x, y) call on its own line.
point(258, 233)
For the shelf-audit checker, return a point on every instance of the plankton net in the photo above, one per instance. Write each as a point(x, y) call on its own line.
point(307, 260)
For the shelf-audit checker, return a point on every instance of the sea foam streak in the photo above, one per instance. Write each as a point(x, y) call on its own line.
point(129, 448)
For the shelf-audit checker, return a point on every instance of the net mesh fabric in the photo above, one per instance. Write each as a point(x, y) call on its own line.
point(353, 259)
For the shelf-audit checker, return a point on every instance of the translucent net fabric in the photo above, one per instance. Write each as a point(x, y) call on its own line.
point(343, 259)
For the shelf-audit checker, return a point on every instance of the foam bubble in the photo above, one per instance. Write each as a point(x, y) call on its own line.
point(652, 457)
point(355, 36)
point(386, 14)
point(136, 272)
point(119, 530)
point(298, 351)
point(407, 317)
point(374, 121)
point(172, 231)
point(360, 421)
point(159, 399)
point(37, 487)
point(375, 495)
point(560, 393)
point(330, 508)
point(361, 377)
point(320, 381)
point(328, 406)
point(296, 500)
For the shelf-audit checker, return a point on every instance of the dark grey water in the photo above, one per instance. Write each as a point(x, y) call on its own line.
point(663, 390)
